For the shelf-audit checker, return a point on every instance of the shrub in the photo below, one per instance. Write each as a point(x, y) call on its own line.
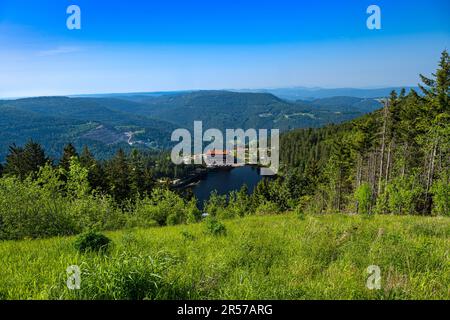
point(187, 235)
point(399, 196)
point(299, 212)
point(267, 207)
point(216, 204)
point(441, 195)
point(29, 209)
point(363, 195)
point(193, 214)
point(215, 227)
point(300, 209)
point(95, 212)
point(92, 241)
point(163, 207)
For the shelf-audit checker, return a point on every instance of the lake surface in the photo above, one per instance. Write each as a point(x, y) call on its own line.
point(226, 180)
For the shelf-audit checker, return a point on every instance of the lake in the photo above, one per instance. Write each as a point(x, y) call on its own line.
point(226, 180)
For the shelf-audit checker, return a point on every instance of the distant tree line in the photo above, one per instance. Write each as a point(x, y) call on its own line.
point(124, 176)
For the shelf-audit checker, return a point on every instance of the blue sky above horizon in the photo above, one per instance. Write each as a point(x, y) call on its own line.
point(136, 46)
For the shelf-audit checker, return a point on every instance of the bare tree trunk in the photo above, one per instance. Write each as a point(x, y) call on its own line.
point(383, 146)
point(359, 171)
point(388, 164)
point(431, 167)
point(430, 175)
point(339, 191)
point(405, 156)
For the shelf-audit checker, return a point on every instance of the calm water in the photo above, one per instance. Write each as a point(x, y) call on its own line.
point(225, 181)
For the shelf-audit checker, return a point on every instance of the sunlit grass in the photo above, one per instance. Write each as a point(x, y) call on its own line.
point(259, 257)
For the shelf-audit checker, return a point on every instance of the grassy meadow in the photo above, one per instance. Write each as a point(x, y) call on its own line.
point(259, 257)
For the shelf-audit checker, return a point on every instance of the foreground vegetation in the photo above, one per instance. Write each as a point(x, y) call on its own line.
point(258, 257)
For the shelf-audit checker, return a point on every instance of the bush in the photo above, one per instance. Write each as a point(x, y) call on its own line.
point(363, 195)
point(193, 214)
point(30, 210)
point(441, 195)
point(215, 227)
point(187, 235)
point(268, 207)
point(300, 212)
point(216, 205)
point(92, 241)
point(163, 207)
point(41, 208)
point(300, 209)
point(399, 196)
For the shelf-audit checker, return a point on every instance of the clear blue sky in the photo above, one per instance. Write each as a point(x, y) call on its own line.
point(129, 46)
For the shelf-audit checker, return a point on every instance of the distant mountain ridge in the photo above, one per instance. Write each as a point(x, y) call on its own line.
point(147, 120)
point(289, 93)
point(227, 109)
point(304, 93)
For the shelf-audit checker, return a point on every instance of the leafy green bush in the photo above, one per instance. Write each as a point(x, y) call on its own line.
point(193, 214)
point(299, 212)
point(239, 203)
point(267, 207)
point(363, 196)
point(441, 195)
point(214, 227)
point(92, 241)
point(399, 196)
point(31, 210)
point(216, 205)
point(187, 235)
point(163, 207)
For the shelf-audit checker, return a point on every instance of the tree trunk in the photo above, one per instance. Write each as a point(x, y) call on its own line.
point(430, 177)
point(383, 146)
point(388, 164)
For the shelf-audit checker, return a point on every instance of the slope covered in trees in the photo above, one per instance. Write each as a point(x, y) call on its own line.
point(395, 160)
point(54, 121)
point(226, 109)
point(108, 124)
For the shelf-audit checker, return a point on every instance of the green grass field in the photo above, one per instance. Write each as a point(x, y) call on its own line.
point(260, 257)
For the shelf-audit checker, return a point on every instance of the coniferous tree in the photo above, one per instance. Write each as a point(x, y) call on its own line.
point(96, 175)
point(22, 162)
point(15, 164)
point(137, 174)
point(437, 96)
point(119, 176)
point(34, 156)
point(68, 152)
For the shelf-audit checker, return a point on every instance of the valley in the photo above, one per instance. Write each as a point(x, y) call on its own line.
point(106, 124)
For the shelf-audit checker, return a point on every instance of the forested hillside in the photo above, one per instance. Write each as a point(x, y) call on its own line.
point(225, 110)
point(56, 121)
point(395, 160)
point(146, 122)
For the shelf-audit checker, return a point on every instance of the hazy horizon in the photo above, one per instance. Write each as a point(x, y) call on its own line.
point(254, 90)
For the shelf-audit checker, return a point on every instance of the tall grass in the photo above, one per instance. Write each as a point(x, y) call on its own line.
point(259, 257)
